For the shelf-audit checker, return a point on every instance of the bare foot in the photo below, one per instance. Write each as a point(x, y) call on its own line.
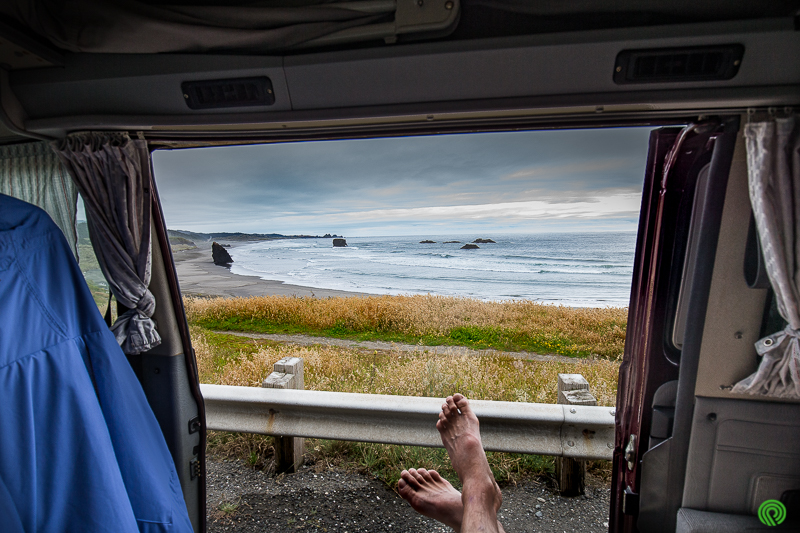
point(432, 495)
point(458, 426)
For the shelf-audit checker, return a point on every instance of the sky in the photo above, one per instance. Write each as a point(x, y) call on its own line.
point(489, 183)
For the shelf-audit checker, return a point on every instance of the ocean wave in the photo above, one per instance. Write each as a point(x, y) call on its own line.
point(588, 270)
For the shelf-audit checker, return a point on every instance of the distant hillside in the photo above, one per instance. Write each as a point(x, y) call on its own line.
point(204, 237)
point(188, 239)
point(238, 236)
point(188, 235)
point(181, 240)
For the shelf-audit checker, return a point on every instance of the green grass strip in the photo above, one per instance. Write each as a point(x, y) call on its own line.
point(480, 338)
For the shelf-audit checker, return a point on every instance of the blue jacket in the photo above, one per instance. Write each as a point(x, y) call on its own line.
point(80, 448)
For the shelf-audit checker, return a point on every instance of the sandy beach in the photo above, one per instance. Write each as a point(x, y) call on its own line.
point(199, 276)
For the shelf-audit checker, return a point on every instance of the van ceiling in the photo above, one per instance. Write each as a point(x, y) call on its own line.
point(118, 26)
point(518, 60)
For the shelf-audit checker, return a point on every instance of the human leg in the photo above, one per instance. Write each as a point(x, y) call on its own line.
point(481, 498)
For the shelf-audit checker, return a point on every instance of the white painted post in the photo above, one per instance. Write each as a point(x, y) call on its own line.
point(293, 366)
point(287, 374)
point(279, 380)
point(573, 389)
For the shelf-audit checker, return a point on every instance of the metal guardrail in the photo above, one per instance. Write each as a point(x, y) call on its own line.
point(580, 432)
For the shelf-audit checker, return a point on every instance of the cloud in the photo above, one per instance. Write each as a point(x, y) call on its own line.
point(623, 204)
point(489, 179)
point(569, 169)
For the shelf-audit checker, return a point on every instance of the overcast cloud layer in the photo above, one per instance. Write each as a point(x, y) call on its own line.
point(564, 180)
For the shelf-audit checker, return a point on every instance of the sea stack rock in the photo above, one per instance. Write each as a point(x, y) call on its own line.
point(339, 243)
point(427, 242)
point(470, 247)
point(220, 255)
point(484, 241)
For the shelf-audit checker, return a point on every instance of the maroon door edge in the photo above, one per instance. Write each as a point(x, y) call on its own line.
point(162, 241)
point(649, 359)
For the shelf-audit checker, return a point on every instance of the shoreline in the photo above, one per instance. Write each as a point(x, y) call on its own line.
point(199, 276)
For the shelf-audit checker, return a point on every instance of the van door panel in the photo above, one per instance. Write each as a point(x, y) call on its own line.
point(650, 358)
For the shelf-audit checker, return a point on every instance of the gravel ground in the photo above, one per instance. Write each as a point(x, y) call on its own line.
point(244, 500)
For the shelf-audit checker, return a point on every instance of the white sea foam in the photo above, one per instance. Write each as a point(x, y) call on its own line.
point(576, 269)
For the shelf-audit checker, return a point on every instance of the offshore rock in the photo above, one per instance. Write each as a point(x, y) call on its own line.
point(484, 241)
point(220, 255)
point(427, 242)
point(470, 247)
point(339, 243)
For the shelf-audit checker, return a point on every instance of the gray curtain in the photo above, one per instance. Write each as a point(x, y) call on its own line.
point(128, 26)
point(773, 160)
point(112, 173)
point(33, 173)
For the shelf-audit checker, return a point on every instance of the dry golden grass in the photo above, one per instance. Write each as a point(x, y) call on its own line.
point(331, 368)
point(526, 324)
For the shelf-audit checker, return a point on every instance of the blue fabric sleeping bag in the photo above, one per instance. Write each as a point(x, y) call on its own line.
point(80, 448)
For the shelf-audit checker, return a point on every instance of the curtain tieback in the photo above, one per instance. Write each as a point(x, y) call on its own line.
point(771, 342)
point(135, 332)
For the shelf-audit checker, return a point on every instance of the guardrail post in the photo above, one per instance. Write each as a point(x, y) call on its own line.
point(287, 374)
point(573, 389)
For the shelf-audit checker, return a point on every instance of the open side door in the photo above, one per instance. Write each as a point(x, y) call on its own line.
point(169, 377)
point(686, 173)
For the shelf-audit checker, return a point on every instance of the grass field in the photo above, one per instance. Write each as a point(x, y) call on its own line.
point(428, 320)
point(233, 360)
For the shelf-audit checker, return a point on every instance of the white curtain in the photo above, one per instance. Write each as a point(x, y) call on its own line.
point(773, 160)
point(33, 173)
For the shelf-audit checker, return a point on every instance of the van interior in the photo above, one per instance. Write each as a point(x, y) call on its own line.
point(690, 454)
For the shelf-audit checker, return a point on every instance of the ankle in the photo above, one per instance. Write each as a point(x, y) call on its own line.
point(480, 486)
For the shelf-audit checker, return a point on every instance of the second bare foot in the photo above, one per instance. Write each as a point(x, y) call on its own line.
point(460, 431)
point(431, 495)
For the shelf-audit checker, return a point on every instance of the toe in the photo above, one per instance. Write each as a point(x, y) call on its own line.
point(408, 478)
point(426, 475)
point(446, 408)
point(451, 406)
point(404, 490)
point(461, 403)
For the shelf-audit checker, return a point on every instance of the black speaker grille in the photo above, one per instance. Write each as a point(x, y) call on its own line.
point(240, 92)
point(678, 64)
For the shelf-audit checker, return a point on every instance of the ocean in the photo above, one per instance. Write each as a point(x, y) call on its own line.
point(572, 269)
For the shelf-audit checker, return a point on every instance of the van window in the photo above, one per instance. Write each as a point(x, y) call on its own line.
point(562, 206)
